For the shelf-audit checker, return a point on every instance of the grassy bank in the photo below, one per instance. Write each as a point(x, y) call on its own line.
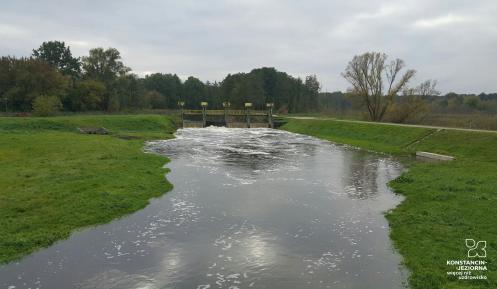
point(475, 120)
point(445, 203)
point(54, 180)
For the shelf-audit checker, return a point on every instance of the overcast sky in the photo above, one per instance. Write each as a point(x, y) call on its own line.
point(453, 41)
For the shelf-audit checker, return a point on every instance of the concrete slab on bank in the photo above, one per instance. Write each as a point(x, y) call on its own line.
point(433, 156)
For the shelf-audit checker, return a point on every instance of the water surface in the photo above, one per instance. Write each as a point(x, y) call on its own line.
point(250, 208)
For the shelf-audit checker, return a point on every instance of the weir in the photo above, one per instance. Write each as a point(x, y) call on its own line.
point(244, 118)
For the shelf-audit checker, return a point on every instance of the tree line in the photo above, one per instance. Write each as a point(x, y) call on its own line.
point(52, 79)
point(338, 102)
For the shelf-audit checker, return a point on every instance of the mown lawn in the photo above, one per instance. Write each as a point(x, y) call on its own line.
point(54, 180)
point(446, 202)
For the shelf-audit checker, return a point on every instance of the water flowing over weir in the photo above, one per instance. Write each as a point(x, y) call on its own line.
point(250, 208)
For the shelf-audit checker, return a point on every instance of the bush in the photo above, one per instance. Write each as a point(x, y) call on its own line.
point(46, 105)
point(409, 108)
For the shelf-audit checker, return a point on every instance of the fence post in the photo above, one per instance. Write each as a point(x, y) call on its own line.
point(226, 105)
point(204, 113)
point(181, 104)
point(269, 106)
point(248, 105)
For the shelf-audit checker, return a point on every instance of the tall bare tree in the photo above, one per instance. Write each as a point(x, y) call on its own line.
point(376, 82)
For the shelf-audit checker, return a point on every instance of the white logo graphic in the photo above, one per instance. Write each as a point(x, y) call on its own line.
point(476, 249)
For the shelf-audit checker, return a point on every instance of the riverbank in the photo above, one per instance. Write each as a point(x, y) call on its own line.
point(446, 202)
point(54, 180)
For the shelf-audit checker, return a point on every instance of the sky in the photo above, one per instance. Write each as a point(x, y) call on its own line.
point(452, 41)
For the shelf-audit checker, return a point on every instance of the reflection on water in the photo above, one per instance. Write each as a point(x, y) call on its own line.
point(361, 181)
point(251, 208)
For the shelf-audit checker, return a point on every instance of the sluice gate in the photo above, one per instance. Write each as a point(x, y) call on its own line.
point(246, 118)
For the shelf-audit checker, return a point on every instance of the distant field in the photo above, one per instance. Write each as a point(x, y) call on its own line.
point(456, 120)
point(445, 203)
point(54, 180)
point(475, 120)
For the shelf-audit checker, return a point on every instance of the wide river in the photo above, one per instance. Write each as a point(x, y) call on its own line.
point(250, 208)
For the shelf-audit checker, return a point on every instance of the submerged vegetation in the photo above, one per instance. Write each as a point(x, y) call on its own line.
point(55, 180)
point(446, 202)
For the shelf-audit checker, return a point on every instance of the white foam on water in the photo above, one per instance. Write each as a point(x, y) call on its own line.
point(267, 149)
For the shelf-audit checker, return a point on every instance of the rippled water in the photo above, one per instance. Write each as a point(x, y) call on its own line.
point(251, 208)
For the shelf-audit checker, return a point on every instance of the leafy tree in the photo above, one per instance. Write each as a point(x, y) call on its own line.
point(228, 84)
point(194, 92)
point(269, 85)
point(213, 94)
point(269, 78)
point(167, 85)
point(46, 105)
point(249, 89)
point(104, 65)
point(472, 101)
point(312, 88)
point(57, 54)
point(156, 99)
point(87, 95)
point(24, 79)
point(130, 91)
point(334, 102)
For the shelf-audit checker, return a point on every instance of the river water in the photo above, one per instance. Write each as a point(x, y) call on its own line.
point(250, 208)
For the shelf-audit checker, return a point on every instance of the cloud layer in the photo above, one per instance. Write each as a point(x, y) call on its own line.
point(453, 41)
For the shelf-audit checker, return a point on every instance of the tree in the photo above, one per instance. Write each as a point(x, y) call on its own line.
point(312, 88)
point(194, 92)
point(375, 82)
point(57, 54)
point(266, 84)
point(155, 98)
point(24, 79)
point(335, 102)
point(269, 78)
point(86, 95)
point(46, 105)
point(104, 64)
point(413, 102)
point(249, 89)
point(427, 89)
point(130, 92)
point(213, 94)
point(472, 101)
point(167, 85)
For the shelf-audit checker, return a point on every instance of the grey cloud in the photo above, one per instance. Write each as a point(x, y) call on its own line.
point(452, 41)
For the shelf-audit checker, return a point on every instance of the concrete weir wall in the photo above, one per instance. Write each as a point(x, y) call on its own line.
point(192, 124)
point(247, 118)
point(199, 124)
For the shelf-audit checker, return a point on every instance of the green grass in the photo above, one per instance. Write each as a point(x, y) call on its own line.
point(446, 202)
point(54, 180)
point(381, 138)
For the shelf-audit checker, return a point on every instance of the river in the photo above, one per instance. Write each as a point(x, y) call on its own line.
point(250, 208)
